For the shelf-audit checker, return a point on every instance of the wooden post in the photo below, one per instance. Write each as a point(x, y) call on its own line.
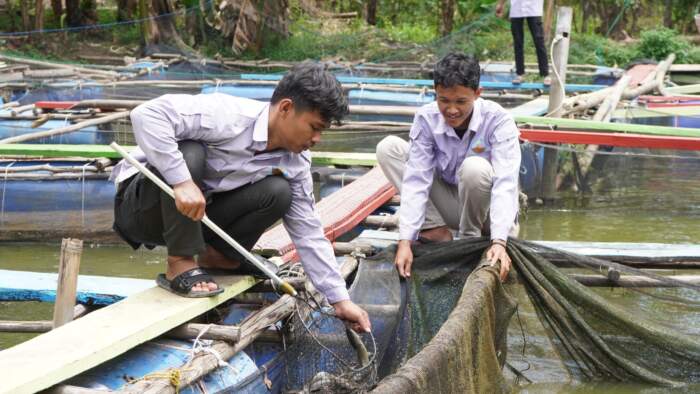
point(68, 268)
point(557, 93)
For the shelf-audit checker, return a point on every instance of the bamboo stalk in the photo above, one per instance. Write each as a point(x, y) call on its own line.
point(50, 168)
point(66, 129)
point(661, 75)
point(343, 248)
point(54, 177)
point(383, 221)
point(217, 332)
point(603, 114)
point(58, 65)
point(38, 326)
point(18, 110)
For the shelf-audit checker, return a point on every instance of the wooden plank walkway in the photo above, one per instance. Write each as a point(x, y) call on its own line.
point(339, 212)
point(104, 334)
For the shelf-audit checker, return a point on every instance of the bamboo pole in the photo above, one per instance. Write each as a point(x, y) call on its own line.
point(38, 326)
point(635, 281)
point(204, 363)
point(68, 268)
point(110, 74)
point(557, 93)
point(661, 75)
point(384, 221)
point(217, 332)
point(343, 248)
point(602, 115)
point(66, 129)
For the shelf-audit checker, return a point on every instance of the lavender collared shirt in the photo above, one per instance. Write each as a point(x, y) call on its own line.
point(233, 129)
point(525, 8)
point(436, 150)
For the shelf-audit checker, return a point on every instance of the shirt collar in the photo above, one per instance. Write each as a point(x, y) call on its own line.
point(474, 122)
point(260, 129)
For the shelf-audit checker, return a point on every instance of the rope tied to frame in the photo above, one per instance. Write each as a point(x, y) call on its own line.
point(174, 377)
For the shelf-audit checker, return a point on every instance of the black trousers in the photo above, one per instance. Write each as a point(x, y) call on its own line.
point(535, 25)
point(143, 214)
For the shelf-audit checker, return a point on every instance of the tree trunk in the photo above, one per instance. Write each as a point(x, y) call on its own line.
point(166, 33)
point(668, 13)
point(73, 12)
point(548, 15)
point(25, 15)
point(448, 11)
point(125, 10)
point(88, 12)
point(57, 7)
point(585, 5)
point(39, 15)
point(149, 30)
point(372, 12)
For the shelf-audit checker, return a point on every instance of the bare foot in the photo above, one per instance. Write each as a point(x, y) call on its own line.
point(212, 258)
point(180, 264)
point(547, 81)
point(437, 234)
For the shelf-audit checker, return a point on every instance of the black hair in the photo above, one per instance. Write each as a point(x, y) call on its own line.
point(311, 87)
point(456, 69)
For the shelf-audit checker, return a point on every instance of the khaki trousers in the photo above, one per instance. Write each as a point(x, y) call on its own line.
point(464, 207)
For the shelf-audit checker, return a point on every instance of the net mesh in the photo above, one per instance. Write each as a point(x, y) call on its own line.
point(445, 328)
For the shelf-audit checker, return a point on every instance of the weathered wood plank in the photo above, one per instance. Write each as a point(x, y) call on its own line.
point(104, 334)
point(339, 212)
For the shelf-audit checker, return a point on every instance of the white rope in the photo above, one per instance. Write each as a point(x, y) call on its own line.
point(204, 346)
point(556, 74)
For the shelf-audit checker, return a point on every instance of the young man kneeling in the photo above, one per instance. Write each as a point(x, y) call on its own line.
point(247, 162)
point(460, 169)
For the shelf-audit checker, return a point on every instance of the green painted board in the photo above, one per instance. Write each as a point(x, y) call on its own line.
point(640, 112)
point(590, 125)
point(343, 158)
point(93, 151)
point(99, 336)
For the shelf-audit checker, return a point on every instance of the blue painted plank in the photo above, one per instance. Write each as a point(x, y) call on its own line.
point(429, 82)
point(41, 286)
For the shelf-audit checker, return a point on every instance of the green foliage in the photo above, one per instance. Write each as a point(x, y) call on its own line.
point(658, 44)
point(420, 32)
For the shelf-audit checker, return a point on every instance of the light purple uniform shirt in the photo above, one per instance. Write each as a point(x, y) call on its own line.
point(525, 8)
point(436, 150)
point(233, 130)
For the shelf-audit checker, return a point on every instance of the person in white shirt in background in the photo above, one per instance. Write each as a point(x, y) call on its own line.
point(530, 11)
